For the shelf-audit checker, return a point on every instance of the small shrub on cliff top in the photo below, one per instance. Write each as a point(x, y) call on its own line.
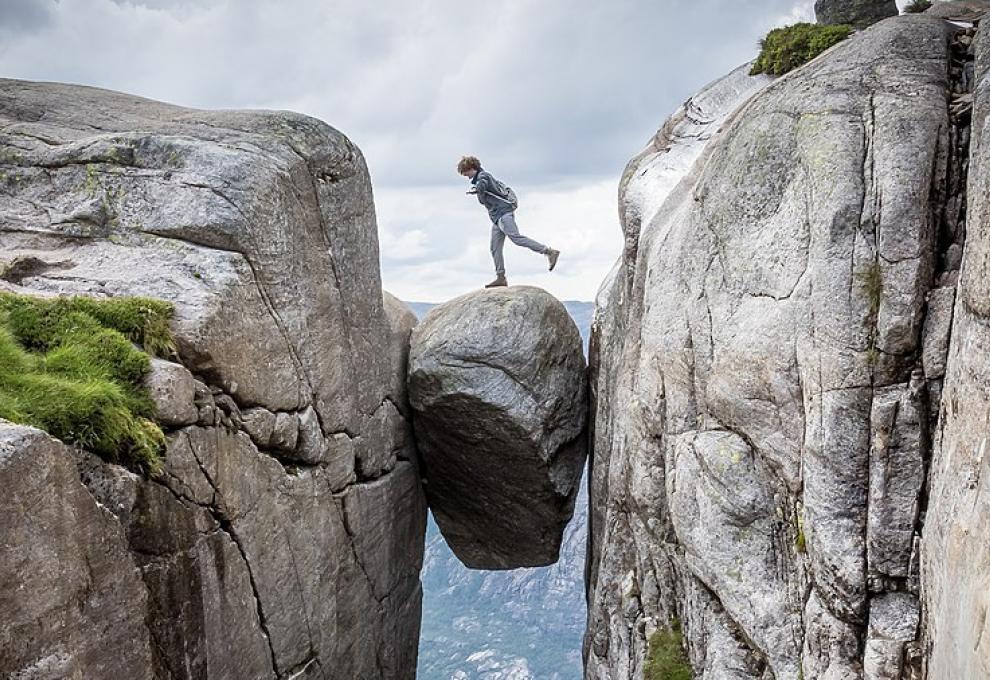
point(68, 366)
point(784, 49)
point(665, 659)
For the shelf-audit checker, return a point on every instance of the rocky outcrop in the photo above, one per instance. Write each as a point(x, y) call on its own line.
point(649, 181)
point(72, 589)
point(498, 391)
point(284, 535)
point(956, 569)
point(859, 13)
point(764, 361)
point(959, 10)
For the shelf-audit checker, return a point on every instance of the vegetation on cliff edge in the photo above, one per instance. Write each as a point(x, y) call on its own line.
point(666, 659)
point(784, 49)
point(69, 366)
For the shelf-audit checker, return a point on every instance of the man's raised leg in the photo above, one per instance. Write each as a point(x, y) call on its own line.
point(507, 223)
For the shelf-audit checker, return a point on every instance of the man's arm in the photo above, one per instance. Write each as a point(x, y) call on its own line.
point(482, 186)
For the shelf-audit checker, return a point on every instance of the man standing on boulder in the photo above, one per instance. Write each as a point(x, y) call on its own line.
point(501, 203)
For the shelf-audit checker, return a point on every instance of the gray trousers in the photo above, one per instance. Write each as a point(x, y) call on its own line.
point(506, 226)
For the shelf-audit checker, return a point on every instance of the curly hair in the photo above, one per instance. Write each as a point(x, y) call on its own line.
point(468, 163)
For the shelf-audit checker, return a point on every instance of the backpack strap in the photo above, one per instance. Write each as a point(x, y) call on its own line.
point(501, 198)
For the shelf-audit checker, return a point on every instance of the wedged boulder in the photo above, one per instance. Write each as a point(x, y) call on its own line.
point(859, 13)
point(284, 535)
point(498, 391)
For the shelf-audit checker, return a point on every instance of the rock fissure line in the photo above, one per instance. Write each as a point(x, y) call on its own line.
point(262, 292)
point(341, 505)
point(301, 670)
point(227, 526)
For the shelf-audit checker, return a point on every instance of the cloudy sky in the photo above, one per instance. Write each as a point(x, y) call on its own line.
point(553, 95)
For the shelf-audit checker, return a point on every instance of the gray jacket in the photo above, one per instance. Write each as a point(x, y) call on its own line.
point(497, 206)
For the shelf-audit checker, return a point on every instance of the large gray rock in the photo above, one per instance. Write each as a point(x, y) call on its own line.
point(401, 322)
point(956, 565)
point(284, 536)
point(761, 422)
point(498, 391)
point(859, 13)
point(246, 220)
point(959, 10)
point(73, 604)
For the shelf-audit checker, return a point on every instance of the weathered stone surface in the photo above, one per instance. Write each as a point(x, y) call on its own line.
point(959, 10)
point(173, 390)
point(401, 322)
point(259, 423)
point(956, 563)
point(249, 558)
point(285, 433)
point(71, 589)
point(311, 446)
point(859, 13)
point(893, 624)
point(761, 424)
point(900, 447)
point(938, 323)
point(298, 545)
point(724, 512)
point(243, 219)
point(498, 391)
point(341, 461)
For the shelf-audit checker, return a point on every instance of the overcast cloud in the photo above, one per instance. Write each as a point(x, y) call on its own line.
point(553, 95)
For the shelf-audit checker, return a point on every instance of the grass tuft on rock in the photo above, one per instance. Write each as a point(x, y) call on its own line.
point(784, 49)
point(69, 366)
point(666, 659)
point(871, 280)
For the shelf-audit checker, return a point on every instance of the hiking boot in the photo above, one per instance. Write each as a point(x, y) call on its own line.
point(498, 282)
point(552, 255)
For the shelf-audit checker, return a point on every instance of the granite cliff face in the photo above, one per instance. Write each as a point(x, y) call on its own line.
point(768, 362)
point(956, 565)
point(284, 536)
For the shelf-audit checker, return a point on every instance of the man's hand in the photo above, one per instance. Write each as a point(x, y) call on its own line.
point(471, 192)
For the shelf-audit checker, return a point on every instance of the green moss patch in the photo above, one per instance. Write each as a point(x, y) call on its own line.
point(784, 49)
point(666, 659)
point(70, 366)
